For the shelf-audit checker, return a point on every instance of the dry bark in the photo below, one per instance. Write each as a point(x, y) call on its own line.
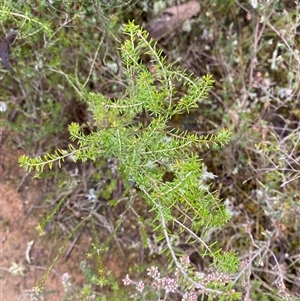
point(172, 18)
point(5, 51)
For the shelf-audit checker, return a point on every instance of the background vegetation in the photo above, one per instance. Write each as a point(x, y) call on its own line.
point(66, 50)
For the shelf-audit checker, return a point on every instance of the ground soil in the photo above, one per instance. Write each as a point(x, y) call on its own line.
point(18, 194)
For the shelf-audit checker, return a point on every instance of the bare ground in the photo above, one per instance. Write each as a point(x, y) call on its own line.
point(18, 271)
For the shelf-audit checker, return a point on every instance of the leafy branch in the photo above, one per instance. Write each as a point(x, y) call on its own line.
point(146, 151)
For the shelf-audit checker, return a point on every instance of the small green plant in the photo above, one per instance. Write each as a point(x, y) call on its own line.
point(148, 150)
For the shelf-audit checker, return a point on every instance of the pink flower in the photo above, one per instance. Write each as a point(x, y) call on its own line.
point(185, 261)
point(189, 297)
point(153, 272)
point(127, 280)
point(140, 286)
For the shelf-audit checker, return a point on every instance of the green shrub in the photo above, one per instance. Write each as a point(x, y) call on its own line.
point(147, 152)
